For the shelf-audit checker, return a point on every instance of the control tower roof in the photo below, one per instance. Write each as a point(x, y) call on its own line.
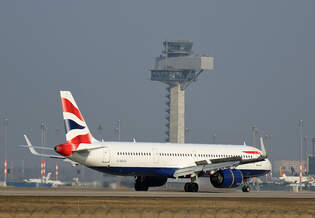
point(175, 48)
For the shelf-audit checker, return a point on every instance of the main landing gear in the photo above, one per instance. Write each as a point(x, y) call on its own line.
point(140, 184)
point(246, 187)
point(191, 186)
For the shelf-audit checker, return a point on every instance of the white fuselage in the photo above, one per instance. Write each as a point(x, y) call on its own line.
point(131, 158)
point(295, 179)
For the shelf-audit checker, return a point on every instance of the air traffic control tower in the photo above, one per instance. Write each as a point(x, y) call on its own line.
point(178, 67)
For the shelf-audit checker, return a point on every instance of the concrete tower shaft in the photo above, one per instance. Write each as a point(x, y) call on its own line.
point(177, 114)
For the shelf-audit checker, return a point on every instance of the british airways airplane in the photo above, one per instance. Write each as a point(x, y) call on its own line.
point(227, 166)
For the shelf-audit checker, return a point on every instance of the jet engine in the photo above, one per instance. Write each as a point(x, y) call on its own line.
point(228, 178)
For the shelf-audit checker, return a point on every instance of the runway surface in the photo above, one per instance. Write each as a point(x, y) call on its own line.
point(76, 192)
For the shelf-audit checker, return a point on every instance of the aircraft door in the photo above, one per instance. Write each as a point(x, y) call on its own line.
point(194, 153)
point(106, 155)
point(156, 155)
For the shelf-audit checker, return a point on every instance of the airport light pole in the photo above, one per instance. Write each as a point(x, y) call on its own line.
point(270, 137)
point(5, 141)
point(254, 135)
point(305, 147)
point(43, 127)
point(187, 133)
point(214, 138)
point(117, 129)
point(100, 131)
point(301, 125)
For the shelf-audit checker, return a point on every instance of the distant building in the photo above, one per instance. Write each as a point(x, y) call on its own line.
point(311, 165)
point(291, 167)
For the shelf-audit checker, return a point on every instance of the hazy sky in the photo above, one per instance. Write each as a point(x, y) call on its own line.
point(103, 50)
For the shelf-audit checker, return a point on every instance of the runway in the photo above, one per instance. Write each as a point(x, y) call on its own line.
point(80, 192)
point(74, 202)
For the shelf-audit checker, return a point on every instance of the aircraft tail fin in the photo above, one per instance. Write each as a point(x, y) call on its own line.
point(282, 172)
point(263, 148)
point(77, 131)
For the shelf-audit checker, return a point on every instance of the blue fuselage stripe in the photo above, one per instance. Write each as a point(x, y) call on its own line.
point(168, 172)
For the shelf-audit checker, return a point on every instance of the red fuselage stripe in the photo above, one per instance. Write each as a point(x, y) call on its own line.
point(251, 152)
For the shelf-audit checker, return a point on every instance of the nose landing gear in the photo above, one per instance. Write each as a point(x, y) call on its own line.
point(246, 187)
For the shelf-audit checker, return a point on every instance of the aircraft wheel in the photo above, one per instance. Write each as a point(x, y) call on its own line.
point(141, 187)
point(246, 188)
point(188, 187)
point(194, 187)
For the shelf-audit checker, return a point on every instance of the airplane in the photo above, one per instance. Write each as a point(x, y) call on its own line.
point(46, 180)
point(227, 166)
point(294, 179)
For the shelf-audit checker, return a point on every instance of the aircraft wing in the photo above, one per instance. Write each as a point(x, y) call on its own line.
point(33, 151)
point(186, 171)
point(205, 168)
point(214, 165)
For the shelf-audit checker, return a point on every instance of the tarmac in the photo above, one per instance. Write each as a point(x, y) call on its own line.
point(80, 192)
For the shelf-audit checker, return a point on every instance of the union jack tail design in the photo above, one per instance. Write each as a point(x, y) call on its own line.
point(77, 131)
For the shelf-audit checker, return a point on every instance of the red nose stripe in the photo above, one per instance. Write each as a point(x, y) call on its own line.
point(251, 152)
point(67, 106)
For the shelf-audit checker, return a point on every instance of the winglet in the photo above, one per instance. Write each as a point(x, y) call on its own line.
point(30, 147)
point(33, 151)
point(262, 147)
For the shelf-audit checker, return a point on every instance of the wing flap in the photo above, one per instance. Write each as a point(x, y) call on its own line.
point(186, 171)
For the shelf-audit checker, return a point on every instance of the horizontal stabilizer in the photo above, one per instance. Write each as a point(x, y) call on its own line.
point(87, 147)
point(33, 151)
point(38, 147)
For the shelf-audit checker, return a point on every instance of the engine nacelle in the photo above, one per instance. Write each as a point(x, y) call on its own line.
point(228, 178)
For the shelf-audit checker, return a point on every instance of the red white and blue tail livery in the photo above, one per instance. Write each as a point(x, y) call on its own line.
point(76, 129)
point(227, 166)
